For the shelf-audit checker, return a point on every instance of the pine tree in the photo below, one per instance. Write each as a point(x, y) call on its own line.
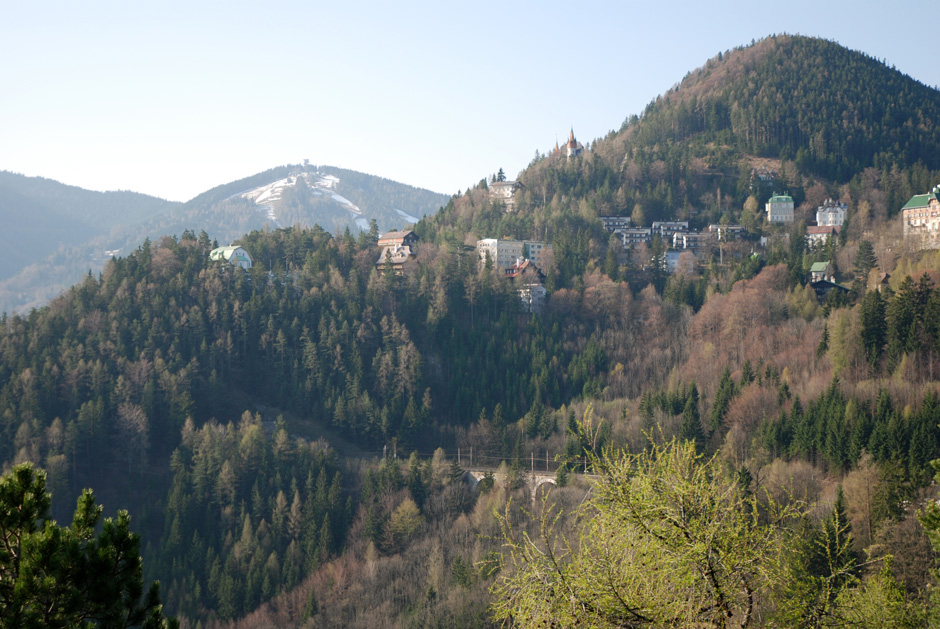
point(62, 577)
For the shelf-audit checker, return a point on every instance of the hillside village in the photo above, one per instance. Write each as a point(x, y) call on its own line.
point(671, 246)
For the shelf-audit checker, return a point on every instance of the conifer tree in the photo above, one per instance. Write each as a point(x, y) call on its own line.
point(723, 399)
point(66, 577)
point(874, 327)
point(865, 261)
point(691, 427)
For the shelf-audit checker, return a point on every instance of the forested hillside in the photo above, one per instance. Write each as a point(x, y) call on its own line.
point(291, 439)
point(55, 234)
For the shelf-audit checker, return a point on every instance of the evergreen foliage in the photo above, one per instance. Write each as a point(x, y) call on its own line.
point(67, 577)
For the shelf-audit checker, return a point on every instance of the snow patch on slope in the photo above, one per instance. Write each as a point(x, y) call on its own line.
point(408, 217)
point(265, 197)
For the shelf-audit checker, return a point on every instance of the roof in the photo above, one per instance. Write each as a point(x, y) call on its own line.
point(826, 283)
point(781, 198)
point(398, 254)
point(919, 201)
point(226, 253)
point(819, 267)
point(832, 206)
point(517, 268)
point(390, 235)
point(822, 229)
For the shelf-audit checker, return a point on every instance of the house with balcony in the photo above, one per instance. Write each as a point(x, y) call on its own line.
point(920, 218)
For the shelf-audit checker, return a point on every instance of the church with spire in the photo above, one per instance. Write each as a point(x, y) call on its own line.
point(570, 148)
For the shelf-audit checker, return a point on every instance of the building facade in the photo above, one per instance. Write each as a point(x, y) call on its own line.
point(727, 232)
point(780, 208)
point(831, 213)
point(613, 223)
point(632, 236)
point(921, 220)
point(693, 240)
point(402, 238)
point(817, 235)
point(232, 254)
point(569, 149)
point(666, 229)
point(528, 281)
point(505, 253)
point(505, 191)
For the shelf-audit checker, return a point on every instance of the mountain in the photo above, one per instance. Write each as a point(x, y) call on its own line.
point(826, 112)
point(57, 233)
point(333, 198)
point(41, 216)
point(788, 114)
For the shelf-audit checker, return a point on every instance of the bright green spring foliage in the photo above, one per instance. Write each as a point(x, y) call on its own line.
point(667, 538)
point(670, 538)
point(52, 576)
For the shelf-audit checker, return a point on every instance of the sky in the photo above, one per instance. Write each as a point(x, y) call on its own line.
point(174, 98)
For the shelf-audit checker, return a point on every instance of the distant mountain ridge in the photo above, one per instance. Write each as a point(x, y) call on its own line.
point(57, 233)
point(39, 215)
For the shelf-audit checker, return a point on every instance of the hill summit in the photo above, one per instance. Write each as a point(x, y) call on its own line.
point(832, 110)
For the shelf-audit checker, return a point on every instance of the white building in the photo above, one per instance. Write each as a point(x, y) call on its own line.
point(528, 282)
point(921, 219)
point(817, 234)
point(831, 213)
point(727, 232)
point(505, 191)
point(505, 253)
point(666, 229)
point(613, 223)
point(780, 208)
point(692, 240)
point(232, 254)
point(634, 236)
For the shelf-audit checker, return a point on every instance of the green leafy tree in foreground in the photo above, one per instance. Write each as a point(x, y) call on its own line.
point(52, 576)
point(667, 539)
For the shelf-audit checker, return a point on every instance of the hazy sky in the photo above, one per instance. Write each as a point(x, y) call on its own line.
point(173, 98)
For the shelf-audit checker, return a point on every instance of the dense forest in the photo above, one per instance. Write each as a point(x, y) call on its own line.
point(292, 440)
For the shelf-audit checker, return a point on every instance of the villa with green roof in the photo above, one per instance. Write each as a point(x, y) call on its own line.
point(232, 254)
point(921, 219)
point(780, 208)
point(821, 271)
